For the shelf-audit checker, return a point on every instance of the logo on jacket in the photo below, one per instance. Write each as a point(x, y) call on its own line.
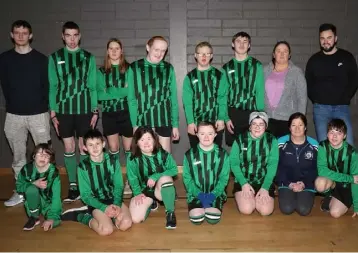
point(309, 155)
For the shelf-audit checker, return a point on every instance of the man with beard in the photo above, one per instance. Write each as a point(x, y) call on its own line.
point(332, 80)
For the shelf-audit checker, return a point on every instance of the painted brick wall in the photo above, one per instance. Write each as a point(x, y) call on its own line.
point(134, 21)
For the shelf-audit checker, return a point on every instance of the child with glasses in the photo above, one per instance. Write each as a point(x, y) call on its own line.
point(204, 95)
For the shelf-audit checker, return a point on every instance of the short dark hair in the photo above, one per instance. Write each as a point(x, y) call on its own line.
point(241, 34)
point(70, 25)
point(46, 148)
point(135, 150)
point(326, 27)
point(297, 115)
point(21, 23)
point(205, 123)
point(338, 125)
point(92, 134)
point(276, 45)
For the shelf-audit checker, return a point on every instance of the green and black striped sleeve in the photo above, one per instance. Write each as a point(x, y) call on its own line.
point(133, 176)
point(260, 88)
point(174, 99)
point(101, 86)
point(189, 182)
point(354, 187)
point(187, 98)
point(86, 191)
point(132, 100)
point(236, 165)
point(223, 178)
point(271, 166)
point(224, 85)
point(222, 99)
point(55, 210)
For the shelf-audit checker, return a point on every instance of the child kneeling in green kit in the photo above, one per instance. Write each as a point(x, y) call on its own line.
point(39, 182)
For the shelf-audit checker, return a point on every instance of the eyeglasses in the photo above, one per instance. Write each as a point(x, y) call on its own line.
point(204, 54)
point(261, 125)
point(42, 155)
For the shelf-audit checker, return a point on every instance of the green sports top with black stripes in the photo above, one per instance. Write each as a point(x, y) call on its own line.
point(51, 194)
point(254, 160)
point(100, 181)
point(245, 85)
point(142, 168)
point(339, 165)
point(152, 94)
point(112, 89)
point(72, 82)
point(204, 96)
point(206, 171)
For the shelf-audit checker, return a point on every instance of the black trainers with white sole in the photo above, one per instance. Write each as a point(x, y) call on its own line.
point(31, 223)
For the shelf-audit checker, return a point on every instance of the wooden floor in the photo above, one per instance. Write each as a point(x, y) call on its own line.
point(236, 232)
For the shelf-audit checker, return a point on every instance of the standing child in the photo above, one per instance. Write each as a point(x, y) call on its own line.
point(254, 160)
point(206, 175)
point(150, 173)
point(39, 182)
point(112, 91)
point(204, 95)
point(101, 188)
point(337, 171)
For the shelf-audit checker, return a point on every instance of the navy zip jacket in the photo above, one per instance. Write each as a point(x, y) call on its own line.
point(297, 162)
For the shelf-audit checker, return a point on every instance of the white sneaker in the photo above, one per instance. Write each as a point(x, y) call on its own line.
point(14, 200)
point(127, 188)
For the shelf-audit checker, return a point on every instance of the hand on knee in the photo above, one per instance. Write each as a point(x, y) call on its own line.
point(322, 184)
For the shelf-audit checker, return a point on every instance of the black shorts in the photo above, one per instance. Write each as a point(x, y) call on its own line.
point(238, 188)
point(163, 131)
point(117, 123)
point(343, 192)
point(218, 203)
point(71, 125)
point(149, 192)
point(240, 120)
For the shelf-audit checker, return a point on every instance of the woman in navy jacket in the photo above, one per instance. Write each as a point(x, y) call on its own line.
point(297, 168)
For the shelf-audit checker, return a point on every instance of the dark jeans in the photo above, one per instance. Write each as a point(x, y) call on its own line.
point(322, 114)
point(290, 201)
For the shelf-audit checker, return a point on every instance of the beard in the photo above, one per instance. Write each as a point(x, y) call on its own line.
point(327, 50)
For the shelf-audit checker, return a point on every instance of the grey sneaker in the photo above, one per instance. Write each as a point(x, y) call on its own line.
point(14, 200)
point(127, 189)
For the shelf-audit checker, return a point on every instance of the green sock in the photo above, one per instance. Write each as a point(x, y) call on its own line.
point(168, 196)
point(212, 218)
point(197, 220)
point(32, 203)
point(84, 218)
point(71, 167)
point(83, 156)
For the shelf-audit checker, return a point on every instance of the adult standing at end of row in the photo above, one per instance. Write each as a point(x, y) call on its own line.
point(23, 76)
point(152, 93)
point(285, 89)
point(332, 80)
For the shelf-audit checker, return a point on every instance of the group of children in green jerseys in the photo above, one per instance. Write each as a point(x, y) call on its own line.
point(139, 103)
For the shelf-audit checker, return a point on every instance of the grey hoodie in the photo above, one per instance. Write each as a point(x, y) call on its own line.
point(294, 95)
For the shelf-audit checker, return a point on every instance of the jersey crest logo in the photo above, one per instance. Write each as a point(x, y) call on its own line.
point(196, 162)
point(309, 155)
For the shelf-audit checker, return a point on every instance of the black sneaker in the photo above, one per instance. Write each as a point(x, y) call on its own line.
point(31, 224)
point(71, 214)
point(73, 195)
point(154, 205)
point(171, 221)
point(325, 203)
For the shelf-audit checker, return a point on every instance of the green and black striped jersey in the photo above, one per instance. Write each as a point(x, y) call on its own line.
point(339, 165)
point(204, 96)
point(51, 194)
point(206, 171)
point(245, 84)
point(142, 168)
point(72, 78)
point(152, 94)
point(100, 181)
point(254, 160)
point(112, 89)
